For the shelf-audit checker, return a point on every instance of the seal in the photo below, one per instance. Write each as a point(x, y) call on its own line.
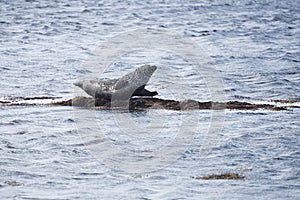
point(132, 84)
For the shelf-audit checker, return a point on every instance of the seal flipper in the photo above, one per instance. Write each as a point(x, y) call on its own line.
point(141, 91)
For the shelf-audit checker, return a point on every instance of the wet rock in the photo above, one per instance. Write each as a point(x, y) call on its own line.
point(250, 106)
point(142, 103)
point(189, 104)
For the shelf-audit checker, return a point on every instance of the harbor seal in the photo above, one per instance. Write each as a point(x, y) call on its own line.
point(132, 84)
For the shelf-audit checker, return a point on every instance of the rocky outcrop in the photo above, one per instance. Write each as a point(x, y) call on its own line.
point(143, 103)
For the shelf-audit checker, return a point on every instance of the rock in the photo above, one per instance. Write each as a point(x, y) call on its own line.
point(140, 103)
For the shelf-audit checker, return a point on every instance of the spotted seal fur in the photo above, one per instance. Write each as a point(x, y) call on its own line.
point(132, 84)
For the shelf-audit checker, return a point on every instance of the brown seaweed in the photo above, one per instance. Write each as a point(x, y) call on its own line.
point(225, 176)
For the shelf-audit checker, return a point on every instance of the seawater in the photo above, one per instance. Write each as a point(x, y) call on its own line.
point(253, 45)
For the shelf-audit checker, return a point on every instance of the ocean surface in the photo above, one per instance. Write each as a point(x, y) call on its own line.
point(249, 52)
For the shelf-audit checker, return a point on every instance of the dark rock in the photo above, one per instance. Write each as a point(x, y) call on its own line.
point(142, 103)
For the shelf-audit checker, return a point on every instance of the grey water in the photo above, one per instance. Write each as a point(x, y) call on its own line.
point(71, 153)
